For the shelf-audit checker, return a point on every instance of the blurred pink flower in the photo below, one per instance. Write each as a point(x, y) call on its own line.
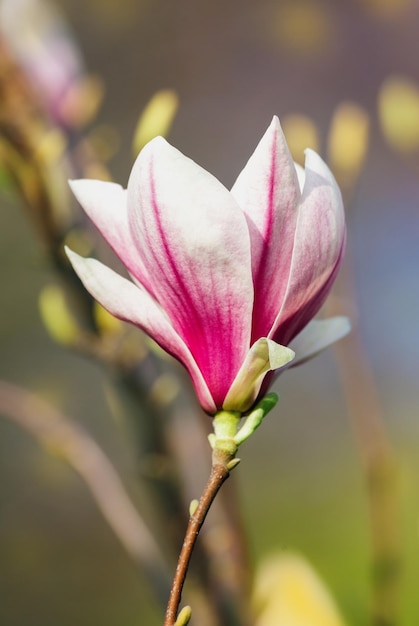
point(222, 280)
point(38, 37)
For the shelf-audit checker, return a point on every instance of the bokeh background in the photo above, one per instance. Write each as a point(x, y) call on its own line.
point(233, 65)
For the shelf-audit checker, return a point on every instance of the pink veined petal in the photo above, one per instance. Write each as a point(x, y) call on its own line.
point(268, 192)
point(265, 355)
point(132, 304)
point(196, 251)
point(106, 205)
point(318, 250)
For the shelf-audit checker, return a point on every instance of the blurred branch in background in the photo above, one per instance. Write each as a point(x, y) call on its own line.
point(61, 436)
point(348, 143)
point(347, 147)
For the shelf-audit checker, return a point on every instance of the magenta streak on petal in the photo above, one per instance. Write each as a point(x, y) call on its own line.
point(274, 277)
point(268, 192)
point(317, 254)
point(290, 327)
point(135, 305)
point(261, 277)
point(200, 326)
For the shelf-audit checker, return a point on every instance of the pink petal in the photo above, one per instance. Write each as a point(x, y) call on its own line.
point(196, 251)
point(265, 355)
point(106, 205)
point(318, 250)
point(268, 192)
point(132, 304)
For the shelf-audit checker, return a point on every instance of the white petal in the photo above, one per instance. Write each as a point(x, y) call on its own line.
point(105, 203)
point(301, 175)
point(132, 304)
point(317, 336)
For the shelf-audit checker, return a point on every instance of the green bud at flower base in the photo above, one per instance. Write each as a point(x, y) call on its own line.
point(228, 436)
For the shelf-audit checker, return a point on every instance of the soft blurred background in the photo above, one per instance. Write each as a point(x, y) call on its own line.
point(233, 65)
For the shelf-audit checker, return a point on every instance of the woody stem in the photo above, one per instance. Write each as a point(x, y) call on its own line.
point(219, 473)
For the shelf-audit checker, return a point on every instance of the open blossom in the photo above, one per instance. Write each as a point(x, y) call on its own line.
point(222, 280)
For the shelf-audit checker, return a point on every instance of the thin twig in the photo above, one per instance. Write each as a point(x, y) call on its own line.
point(219, 473)
point(52, 429)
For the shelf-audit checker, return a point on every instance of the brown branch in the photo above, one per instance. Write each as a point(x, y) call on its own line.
point(219, 473)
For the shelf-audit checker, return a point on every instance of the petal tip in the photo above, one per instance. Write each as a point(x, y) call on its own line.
point(315, 163)
point(72, 256)
point(275, 122)
point(75, 183)
point(82, 186)
point(157, 143)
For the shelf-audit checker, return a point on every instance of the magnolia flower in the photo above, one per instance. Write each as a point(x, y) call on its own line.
point(222, 280)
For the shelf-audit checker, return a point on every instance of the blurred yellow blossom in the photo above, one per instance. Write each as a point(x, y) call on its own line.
point(301, 133)
point(387, 9)
point(106, 323)
point(398, 110)
point(165, 389)
point(56, 315)
point(304, 27)
point(289, 592)
point(348, 141)
point(156, 119)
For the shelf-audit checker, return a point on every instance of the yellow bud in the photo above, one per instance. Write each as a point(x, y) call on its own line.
point(51, 146)
point(348, 140)
point(156, 119)
point(301, 133)
point(184, 616)
point(398, 110)
point(56, 315)
point(78, 239)
point(106, 323)
point(165, 389)
point(193, 506)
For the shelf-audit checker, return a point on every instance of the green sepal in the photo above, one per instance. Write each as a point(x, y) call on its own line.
point(254, 419)
point(227, 435)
